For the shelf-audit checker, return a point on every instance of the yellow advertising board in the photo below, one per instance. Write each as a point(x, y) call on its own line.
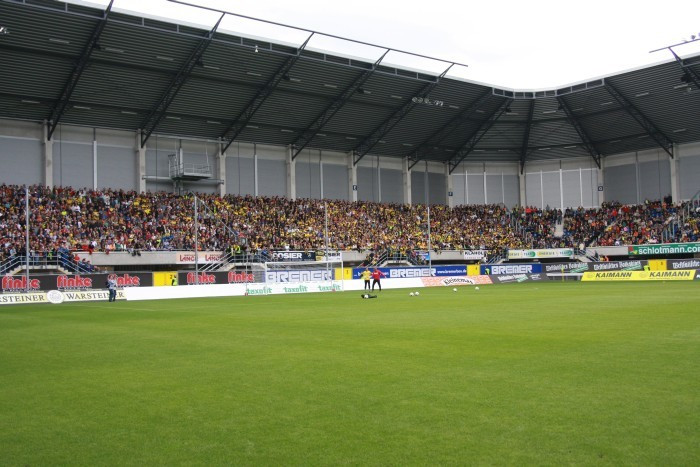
point(164, 278)
point(343, 273)
point(657, 264)
point(473, 270)
point(679, 275)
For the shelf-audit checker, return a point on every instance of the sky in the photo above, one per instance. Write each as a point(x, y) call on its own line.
point(536, 44)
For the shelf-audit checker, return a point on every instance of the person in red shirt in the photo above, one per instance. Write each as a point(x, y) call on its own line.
point(376, 276)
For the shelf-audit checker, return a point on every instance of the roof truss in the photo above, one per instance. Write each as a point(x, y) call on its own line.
point(588, 143)
point(157, 112)
point(651, 129)
point(478, 134)
point(244, 117)
point(526, 135)
point(443, 132)
point(61, 105)
point(336, 104)
point(386, 126)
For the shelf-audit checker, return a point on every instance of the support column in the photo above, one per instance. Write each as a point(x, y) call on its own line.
point(320, 172)
point(675, 179)
point(521, 183)
point(406, 181)
point(601, 183)
point(352, 177)
point(291, 174)
point(449, 196)
point(48, 158)
point(140, 164)
point(379, 181)
point(221, 175)
point(255, 171)
point(94, 159)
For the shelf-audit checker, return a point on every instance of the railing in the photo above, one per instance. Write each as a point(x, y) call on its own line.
point(188, 169)
point(61, 261)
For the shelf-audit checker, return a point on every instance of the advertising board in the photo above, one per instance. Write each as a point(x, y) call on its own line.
point(499, 269)
point(56, 296)
point(416, 272)
point(507, 278)
point(682, 264)
point(455, 281)
point(541, 253)
point(203, 257)
point(475, 254)
point(299, 276)
point(664, 249)
point(72, 282)
point(219, 277)
point(678, 275)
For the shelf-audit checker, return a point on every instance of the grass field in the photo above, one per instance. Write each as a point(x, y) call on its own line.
point(543, 373)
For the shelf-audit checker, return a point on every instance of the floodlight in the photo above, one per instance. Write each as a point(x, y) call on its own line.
point(4, 30)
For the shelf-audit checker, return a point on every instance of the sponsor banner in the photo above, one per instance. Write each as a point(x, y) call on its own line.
point(678, 275)
point(500, 269)
point(664, 249)
point(506, 278)
point(660, 265)
point(187, 257)
point(219, 277)
point(455, 280)
point(682, 264)
point(475, 254)
point(293, 256)
point(16, 298)
point(566, 267)
point(234, 290)
point(633, 265)
point(332, 256)
point(299, 276)
point(72, 282)
point(56, 296)
point(416, 272)
point(543, 253)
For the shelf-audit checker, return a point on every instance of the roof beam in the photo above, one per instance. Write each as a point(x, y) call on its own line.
point(526, 136)
point(386, 126)
point(61, 105)
point(245, 115)
point(652, 130)
point(331, 109)
point(444, 131)
point(157, 112)
point(688, 71)
point(588, 143)
point(477, 134)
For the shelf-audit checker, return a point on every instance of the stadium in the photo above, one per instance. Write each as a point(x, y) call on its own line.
point(194, 220)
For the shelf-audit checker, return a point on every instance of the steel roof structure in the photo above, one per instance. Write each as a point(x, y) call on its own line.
point(73, 64)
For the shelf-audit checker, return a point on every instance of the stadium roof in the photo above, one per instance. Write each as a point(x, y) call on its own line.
point(74, 64)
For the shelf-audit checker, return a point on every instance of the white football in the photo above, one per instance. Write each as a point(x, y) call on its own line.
point(455, 289)
point(366, 296)
point(411, 294)
point(417, 293)
point(476, 288)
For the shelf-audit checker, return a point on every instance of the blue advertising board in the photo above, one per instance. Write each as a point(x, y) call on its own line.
point(499, 269)
point(409, 272)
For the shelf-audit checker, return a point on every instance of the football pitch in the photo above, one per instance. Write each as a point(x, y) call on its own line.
point(531, 373)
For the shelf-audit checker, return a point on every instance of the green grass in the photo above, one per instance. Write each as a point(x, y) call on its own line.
point(539, 373)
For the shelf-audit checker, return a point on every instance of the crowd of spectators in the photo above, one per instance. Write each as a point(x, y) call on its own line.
point(117, 220)
point(688, 222)
point(67, 219)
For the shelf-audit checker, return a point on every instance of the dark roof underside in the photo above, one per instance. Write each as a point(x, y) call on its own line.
point(170, 79)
